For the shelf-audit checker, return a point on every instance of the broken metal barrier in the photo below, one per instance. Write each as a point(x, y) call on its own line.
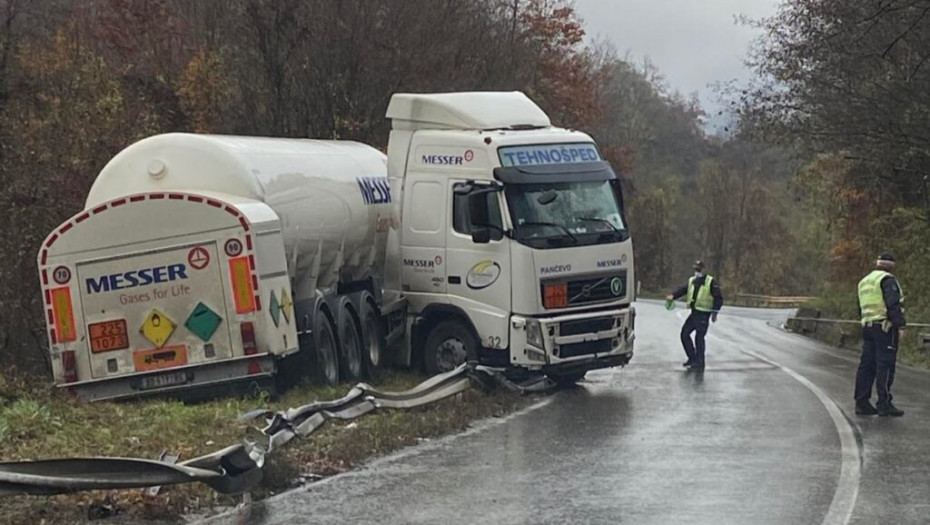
point(238, 468)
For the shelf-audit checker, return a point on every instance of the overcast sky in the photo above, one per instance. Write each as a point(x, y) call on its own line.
point(694, 43)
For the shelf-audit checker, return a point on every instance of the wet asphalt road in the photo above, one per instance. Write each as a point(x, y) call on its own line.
point(765, 435)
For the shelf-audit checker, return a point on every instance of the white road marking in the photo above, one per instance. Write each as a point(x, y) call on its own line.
point(847, 488)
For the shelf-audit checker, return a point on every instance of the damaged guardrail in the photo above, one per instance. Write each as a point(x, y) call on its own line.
point(238, 468)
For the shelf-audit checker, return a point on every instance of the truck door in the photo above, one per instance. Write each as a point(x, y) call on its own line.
point(424, 241)
point(479, 274)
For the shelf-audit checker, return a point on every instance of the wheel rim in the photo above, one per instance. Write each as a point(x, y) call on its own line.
point(327, 354)
point(373, 346)
point(450, 354)
point(353, 350)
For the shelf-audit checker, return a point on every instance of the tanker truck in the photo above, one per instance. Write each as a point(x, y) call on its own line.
point(484, 235)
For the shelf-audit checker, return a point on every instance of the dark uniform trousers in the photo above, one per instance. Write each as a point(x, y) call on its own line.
point(877, 364)
point(697, 322)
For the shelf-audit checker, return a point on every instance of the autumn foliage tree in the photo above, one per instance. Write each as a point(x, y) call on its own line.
point(82, 79)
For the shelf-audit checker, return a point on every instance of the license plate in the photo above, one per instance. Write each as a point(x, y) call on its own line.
point(163, 380)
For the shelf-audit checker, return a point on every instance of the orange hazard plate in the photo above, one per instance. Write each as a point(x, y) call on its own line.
point(109, 335)
point(159, 358)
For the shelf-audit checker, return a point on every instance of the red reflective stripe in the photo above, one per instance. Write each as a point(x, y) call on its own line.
point(52, 337)
point(231, 210)
point(45, 281)
point(214, 203)
point(51, 240)
point(252, 262)
point(51, 316)
point(137, 198)
point(48, 297)
point(100, 209)
point(244, 223)
point(175, 196)
point(194, 199)
point(118, 203)
point(157, 196)
point(258, 303)
point(44, 256)
point(254, 282)
point(248, 242)
point(65, 228)
point(82, 217)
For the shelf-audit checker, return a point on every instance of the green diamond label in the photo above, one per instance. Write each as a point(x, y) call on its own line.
point(203, 322)
point(275, 309)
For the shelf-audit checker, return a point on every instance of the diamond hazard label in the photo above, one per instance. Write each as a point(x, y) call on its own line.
point(198, 258)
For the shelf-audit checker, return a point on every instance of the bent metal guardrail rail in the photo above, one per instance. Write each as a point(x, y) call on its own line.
point(236, 469)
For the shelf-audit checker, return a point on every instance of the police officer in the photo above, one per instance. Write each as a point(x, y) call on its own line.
point(705, 300)
point(880, 299)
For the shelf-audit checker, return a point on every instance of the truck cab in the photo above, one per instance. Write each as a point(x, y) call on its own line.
point(512, 245)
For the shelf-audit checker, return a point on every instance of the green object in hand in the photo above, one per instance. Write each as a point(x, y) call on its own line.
point(670, 304)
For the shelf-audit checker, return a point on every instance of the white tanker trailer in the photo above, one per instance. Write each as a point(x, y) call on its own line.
point(203, 260)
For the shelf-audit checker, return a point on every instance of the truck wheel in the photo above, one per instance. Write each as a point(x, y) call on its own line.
point(374, 355)
point(326, 350)
point(350, 359)
point(449, 344)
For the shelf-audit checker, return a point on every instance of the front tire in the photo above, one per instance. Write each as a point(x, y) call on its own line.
point(448, 345)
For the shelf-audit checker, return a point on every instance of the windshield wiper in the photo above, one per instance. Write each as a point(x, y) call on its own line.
point(553, 225)
point(599, 219)
point(603, 220)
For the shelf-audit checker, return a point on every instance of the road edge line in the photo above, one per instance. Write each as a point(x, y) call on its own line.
point(847, 487)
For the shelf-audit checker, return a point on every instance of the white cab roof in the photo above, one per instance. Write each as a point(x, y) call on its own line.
point(472, 110)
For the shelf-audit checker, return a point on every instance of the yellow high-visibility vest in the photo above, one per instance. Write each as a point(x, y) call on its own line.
point(871, 299)
point(705, 300)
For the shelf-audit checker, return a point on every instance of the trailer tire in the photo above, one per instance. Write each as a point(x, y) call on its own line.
point(325, 350)
point(374, 353)
point(448, 345)
point(350, 343)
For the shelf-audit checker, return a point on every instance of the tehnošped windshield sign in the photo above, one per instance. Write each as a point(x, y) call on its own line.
point(535, 155)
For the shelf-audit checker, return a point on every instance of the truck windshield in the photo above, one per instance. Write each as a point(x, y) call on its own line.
point(566, 213)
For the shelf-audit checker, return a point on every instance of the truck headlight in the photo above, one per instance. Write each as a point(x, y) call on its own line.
point(534, 335)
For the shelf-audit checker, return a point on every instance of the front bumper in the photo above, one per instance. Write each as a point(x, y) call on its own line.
point(576, 341)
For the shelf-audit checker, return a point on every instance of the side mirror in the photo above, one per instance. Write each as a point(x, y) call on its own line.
point(478, 211)
point(481, 235)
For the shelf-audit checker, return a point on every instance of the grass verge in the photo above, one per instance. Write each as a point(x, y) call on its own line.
point(38, 422)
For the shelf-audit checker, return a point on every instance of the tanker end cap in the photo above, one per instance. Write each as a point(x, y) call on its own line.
point(475, 110)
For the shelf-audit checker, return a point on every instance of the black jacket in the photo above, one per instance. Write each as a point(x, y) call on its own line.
point(891, 292)
point(714, 292)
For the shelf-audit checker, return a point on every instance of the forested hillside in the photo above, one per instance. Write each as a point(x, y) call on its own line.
point(82, 79)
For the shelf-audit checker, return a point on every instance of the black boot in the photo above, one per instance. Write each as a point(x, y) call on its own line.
point(865, 408)
point(890, 410)
point(688, 363)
